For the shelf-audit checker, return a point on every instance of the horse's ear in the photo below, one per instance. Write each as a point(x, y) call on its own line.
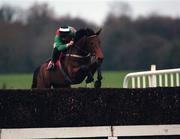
point(99, 31)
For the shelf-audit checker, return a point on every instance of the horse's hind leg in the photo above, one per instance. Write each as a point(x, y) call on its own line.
point(42, 83)
point(34, 81)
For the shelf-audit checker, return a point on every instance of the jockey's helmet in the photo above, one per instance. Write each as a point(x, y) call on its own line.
point(65, 33)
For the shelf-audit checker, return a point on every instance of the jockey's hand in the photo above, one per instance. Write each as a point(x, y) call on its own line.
point(70, 43)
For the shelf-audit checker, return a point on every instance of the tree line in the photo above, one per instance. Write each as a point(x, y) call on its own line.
point(26, 39)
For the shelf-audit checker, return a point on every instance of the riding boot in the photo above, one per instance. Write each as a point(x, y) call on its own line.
point(55, 56)
point(51, 66)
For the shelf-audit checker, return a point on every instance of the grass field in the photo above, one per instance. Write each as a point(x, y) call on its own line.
point(111, 79)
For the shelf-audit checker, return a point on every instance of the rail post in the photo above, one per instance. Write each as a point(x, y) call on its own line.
point(152, 78)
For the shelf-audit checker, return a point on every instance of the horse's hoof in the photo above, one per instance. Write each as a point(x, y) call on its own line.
point(97, 84)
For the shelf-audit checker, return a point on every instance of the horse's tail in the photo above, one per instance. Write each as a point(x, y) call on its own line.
point(35, 74)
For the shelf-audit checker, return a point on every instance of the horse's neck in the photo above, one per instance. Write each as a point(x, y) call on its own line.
point(71, 63)
point(81, 42)
point(78, 48)
point(73, 57)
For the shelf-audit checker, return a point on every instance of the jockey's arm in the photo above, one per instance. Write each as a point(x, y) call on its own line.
point(57, 41)
point(58, 44)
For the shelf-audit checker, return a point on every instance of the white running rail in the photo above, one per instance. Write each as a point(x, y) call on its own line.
point(111, 132)
point(153, 78)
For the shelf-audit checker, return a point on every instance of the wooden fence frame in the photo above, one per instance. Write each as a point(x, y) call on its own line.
point(111, 132)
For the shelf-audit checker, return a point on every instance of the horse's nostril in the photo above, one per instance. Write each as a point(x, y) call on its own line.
point(99, 61)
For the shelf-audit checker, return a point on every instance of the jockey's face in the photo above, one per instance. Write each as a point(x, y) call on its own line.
point(65, 38)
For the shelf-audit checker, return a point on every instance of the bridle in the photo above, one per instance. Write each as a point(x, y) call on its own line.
point(85, 52)
point(82, 50)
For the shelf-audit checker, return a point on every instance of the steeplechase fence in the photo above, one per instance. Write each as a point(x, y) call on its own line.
point(153, 78)
point(90, 113)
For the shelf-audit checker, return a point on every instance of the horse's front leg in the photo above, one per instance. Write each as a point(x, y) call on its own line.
point(85, 71)
point(89, 77)
point(97, 83)
point(96, 66)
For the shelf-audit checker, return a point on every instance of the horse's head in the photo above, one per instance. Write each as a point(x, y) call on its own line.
point(93, 42)
point(89, 41)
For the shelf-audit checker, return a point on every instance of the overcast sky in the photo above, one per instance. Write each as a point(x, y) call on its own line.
point(97, 10)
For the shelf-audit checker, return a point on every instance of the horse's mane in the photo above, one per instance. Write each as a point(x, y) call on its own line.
point(83, 32)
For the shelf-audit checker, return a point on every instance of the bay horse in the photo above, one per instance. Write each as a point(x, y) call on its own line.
point(77, 63)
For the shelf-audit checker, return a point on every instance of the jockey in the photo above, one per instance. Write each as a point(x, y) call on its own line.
point(64, 39)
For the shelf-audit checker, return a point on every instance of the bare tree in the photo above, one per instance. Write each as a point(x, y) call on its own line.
point(118, 8)
point(39, 13)
point(6, 13)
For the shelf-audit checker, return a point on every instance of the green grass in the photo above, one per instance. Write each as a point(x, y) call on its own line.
point(15, 81)
point(111, 79)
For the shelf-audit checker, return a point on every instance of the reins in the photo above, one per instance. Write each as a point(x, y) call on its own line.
point(83, 51)
point(77, 56)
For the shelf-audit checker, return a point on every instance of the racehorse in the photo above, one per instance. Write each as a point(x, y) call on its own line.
point(76, 64)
